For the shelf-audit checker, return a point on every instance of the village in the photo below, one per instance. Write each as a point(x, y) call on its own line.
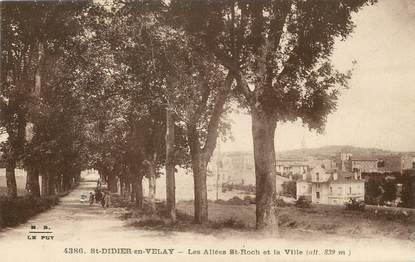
point(381, 180)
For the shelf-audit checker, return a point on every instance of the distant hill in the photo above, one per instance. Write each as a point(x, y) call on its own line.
point(327, 151)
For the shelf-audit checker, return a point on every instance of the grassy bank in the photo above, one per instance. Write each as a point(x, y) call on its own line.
point(303, 223)
point(19, 210)
point(320, 220)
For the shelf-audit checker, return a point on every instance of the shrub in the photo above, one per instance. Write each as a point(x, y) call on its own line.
point(228, 223)
point(354, 204)
point(149, 222)
point(280, 202)
point(303, 202)
point(235, 201)
point(18, 210)
point(289, 188)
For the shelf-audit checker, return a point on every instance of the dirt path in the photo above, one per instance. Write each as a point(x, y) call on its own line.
point(76, 225)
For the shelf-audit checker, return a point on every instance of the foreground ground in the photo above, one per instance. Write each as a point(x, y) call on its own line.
point(92, 228)
point(319, 221)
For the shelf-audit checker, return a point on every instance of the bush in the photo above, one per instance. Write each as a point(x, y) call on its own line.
point(22, 208)
point(280, 202)
point(228, 223)
point(289, 188)
point(149, 222)
point(235, 201)
point(303, 202)
point(354, 204)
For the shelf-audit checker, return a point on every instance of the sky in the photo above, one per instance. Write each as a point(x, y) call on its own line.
point(379, 108)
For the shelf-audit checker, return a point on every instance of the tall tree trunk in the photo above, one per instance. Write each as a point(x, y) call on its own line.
point(152, 185)
point(263, 131)
point(45, 184)
point(122, 187)
point(138, 184)
point(38, 75)
point(11, 178)
point(59, 183)
point(51, 183)
point(112, 183)
point(199, 167)
point(48, 184)
point(66, 183)
point(132, 191)
point(200, 189)
point(127, 190)
point(170, 167)
point(32, 183)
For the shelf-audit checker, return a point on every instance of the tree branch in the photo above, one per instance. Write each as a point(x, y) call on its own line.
point(213, 127)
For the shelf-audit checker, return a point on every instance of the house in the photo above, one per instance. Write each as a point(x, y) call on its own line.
point(330, 186)
point(289, 167)
point(323, 162)
point(364, 165)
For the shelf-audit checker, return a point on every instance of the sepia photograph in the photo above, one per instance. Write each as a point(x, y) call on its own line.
point(207, 130)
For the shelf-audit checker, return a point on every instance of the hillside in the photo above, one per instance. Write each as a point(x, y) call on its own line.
point(328, 151)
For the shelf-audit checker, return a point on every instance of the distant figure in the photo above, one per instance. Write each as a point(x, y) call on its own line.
point(98, 195)
point(91, 198)
point(107, 199)
point(397, 202)
point(103, 199)
point(99, 183)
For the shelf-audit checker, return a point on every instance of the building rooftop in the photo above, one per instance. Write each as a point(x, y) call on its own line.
point(364, 159)
point(342, 178)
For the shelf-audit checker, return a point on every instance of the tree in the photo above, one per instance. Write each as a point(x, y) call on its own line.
point(15, 82)
point(33, 47)
point(279, 54)
point(373, 191)
point(189, 86)
point(390, 190)
point(290, 188)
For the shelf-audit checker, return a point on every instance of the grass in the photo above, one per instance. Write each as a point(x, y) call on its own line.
point(157, 221)
point(317, 220)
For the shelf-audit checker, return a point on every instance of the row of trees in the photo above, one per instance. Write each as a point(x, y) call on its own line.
point(131, 87)
point(40, 112)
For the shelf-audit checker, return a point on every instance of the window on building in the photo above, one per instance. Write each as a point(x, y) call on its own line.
point(413, 164)
point(318, 185)
point(331, 190)
point(318, 195)
point(317, 176)
point(350, 190)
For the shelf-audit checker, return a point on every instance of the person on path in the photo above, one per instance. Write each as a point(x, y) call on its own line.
point(91, 198)
point(107, 199)
point(103, 199)
point(98, 195)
